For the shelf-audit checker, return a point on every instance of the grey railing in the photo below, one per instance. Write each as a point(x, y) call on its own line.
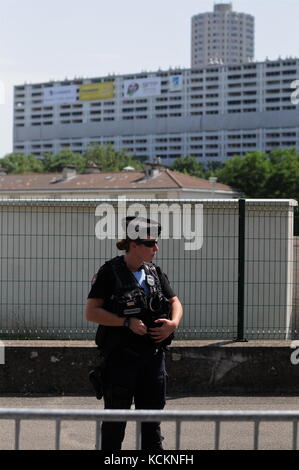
point(139, 416)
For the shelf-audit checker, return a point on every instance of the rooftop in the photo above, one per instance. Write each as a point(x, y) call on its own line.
point(125, 180)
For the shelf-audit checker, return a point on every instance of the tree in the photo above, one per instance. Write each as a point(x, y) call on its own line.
point(283, 181)
point(211, 168)
point(108, 158)
point(55, 163)
point(21, 163)
point(189, 165)
point(249, 174)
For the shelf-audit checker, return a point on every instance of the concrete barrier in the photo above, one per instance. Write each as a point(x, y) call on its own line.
point(194, 367)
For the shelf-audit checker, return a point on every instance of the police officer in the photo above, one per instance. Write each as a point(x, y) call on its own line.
point(137, 312)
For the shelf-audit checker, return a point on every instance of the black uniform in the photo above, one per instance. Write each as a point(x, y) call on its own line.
point(135, 365)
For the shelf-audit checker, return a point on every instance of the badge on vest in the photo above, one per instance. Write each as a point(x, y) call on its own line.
point(131, 311)
point(150, 280)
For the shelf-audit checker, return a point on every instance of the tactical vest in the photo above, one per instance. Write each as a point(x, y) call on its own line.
point(130, 300)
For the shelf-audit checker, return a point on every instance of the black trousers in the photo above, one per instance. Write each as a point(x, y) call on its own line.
point(141, 379)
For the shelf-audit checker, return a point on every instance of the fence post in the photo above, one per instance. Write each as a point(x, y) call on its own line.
point(241, 270)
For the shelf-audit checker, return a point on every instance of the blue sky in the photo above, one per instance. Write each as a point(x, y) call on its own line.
point(66, 38)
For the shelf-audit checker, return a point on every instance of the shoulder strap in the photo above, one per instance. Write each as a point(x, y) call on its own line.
point(124, 279)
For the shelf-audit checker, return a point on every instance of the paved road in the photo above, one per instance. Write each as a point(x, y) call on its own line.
point(75, 436)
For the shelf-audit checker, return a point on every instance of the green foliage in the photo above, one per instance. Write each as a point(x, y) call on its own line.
point(284, 179)
point(109, 159)
point(249, 174)
point(20, 163)
point(261, 175)
point(256, 175)
point(105, 157)
point(55, 163)
point(189, 165)
point(211, 168)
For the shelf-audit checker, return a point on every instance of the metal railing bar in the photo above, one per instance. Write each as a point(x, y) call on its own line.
point(57, 434)
point(217, 435)
point(140, 416)
point(147, 415)
point(233, 203)
point(295, 435)
point(256, 435)
point(138, 435)
point(98, 434)
point(17, 433)
point(178, 434)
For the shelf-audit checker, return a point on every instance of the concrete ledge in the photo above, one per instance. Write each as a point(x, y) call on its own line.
point(194, 367)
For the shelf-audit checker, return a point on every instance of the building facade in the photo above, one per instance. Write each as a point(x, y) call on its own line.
point(222, 36)
point(212, 113)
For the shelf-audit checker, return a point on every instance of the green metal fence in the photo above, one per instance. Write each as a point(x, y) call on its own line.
point(237, 275)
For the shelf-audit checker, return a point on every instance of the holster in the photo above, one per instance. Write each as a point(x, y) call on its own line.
point(96, 377)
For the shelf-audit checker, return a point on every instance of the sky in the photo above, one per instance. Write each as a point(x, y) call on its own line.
point(42, 41)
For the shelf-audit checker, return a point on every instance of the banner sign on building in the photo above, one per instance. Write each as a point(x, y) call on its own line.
point(60, 94)
point(142, 87)
point(96, 91)
point(175, 83)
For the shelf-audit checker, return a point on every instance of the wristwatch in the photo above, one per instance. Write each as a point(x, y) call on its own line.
point(127, 322)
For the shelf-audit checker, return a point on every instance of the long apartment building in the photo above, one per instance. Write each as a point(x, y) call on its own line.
point(222, 36)
point(212, 113)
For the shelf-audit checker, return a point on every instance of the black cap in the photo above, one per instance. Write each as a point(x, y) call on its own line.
point(140, 227)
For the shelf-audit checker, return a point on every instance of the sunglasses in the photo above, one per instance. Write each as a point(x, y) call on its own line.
point(148, 243)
